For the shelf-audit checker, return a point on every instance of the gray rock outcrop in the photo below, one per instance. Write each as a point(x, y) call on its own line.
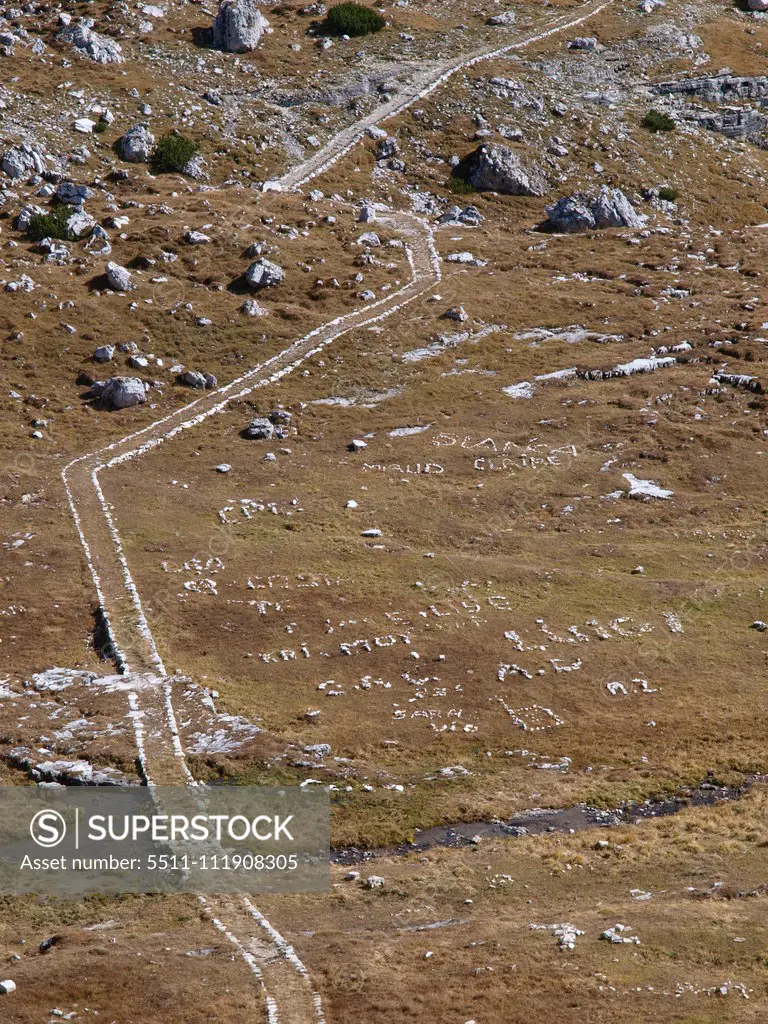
point(499, 169)
point(238, 26)
point(506, 18)
point(23, 160)
point(264, 274)
point(120, 392)
point(610, 208)
point(137, 144)
point(260, 429)
point(90, 44)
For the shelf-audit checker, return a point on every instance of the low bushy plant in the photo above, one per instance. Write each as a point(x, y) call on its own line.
point(669, 194)
point(352, 19)
point(173, 152)
point(50, 225)
point(657, 121)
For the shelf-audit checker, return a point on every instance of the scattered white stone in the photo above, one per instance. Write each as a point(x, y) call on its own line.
point(617, 935)
point(373, 882)
point(565, 933)
point(644, 490)
point(522, 390)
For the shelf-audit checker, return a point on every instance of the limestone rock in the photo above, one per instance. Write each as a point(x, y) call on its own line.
point(90, 44)
point(587, 43)
point(195, 379)
point(671, 37)
point(506, 18)
point(499, 169)
point(99, 243)
point(120, 392)
point(23, 161)
point(119, 278)
point(238, 26)
point(137, 144)
point(264, 274)
point(80, 223)
point(610, 208)
point(260, 429)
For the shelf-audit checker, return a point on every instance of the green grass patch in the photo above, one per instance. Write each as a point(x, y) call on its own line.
point(460, 187)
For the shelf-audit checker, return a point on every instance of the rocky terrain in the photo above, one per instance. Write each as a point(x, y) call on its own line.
point(388, 413)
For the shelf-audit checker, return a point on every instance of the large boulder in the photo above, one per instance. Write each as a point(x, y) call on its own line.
point(137, 144)
point(758, 5)
point(264, 274)
point(120, 392)
point(259, 429)
point(238, 26)
point(90, 44)
point(610, 208)
point(23, 161)
point(71, 194)
point(119, 278)
point(495, 168)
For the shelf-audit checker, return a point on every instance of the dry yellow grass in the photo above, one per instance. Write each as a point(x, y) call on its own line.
point(538, 540)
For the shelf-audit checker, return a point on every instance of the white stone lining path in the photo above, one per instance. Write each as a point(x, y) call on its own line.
point(160, 751)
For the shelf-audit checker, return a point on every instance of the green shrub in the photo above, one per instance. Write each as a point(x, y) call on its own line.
point(460, 186)
point(668, 194)
point(351, 19)
point(50, 225)
point(173, 152)
point(656, 121)
point(100, 127)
